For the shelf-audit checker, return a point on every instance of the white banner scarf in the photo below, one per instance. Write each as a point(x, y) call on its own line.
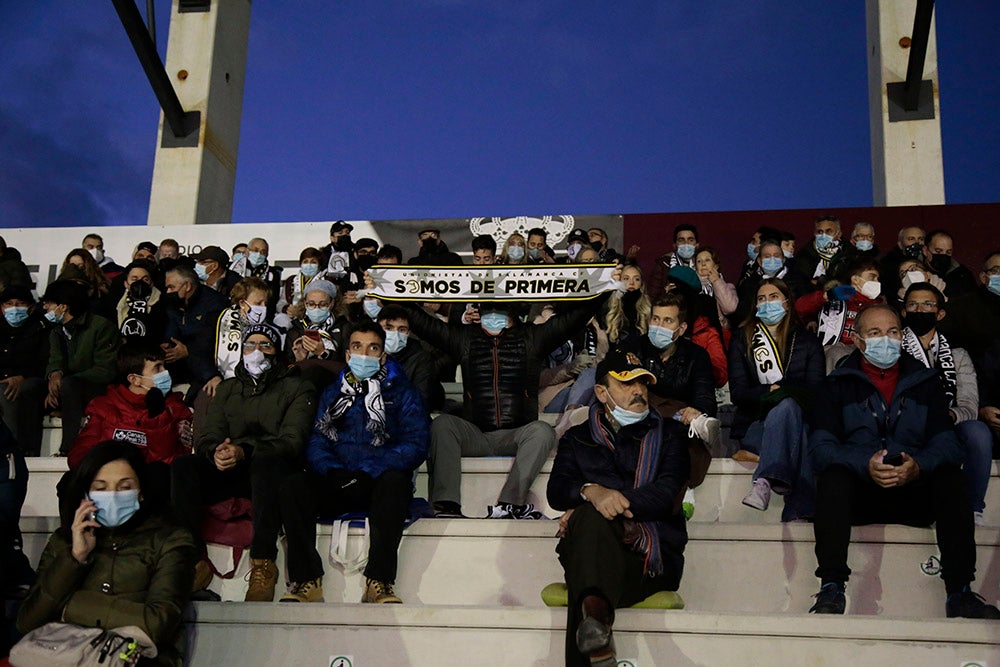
point(534, 282)
point(766, 357)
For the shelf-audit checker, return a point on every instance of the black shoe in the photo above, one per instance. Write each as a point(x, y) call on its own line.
point(446, 509)
point(966, 604)
point(830, 599)
point(594, 640)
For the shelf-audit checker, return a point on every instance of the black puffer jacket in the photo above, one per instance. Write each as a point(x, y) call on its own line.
point(500, 373)
point(685, 376)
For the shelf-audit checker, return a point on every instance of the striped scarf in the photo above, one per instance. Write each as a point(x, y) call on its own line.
point(350, 388)
point(645, 472)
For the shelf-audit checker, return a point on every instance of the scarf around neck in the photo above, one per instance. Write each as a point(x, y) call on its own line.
point(645, 472)
point(939, 356)
point(350, 388)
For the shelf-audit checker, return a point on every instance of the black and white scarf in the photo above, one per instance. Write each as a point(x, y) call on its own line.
point(825, 256)
point(350, 388)
point(937, 356)
point(766, 356)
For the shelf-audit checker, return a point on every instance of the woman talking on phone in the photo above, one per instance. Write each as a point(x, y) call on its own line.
point(111, 563)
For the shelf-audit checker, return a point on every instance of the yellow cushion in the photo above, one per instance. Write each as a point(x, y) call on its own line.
point(555, 595)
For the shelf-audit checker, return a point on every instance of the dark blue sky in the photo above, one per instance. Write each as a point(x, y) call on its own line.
point(456, 108)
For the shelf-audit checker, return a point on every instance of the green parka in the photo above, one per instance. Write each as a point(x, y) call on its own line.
point(271, 415)
point(85, 347)
point(138, 574)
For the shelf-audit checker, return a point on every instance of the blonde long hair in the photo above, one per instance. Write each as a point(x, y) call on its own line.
point(614, 321)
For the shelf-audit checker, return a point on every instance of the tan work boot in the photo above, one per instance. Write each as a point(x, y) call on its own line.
point(379, 592)
point(263, 576)
point(202, 576)
point(308, 591)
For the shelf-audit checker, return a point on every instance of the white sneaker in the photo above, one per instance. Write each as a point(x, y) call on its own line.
point(978, 518)
point(760, 495)
point(708, 429)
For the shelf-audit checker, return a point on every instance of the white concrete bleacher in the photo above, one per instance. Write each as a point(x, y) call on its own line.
point(471, 589)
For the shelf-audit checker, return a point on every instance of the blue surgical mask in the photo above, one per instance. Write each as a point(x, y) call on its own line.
point(994, 285)
point(823, 241)
point(51, 316)
point(685, 251)
point(515, 252)
point(771, 312)
point(363, 366)
point(660, 337)
point(627, 417)
point(115, 507)
point(309, 270)
point(771, 265)
point(751, 251)
point(882, 351)
point(864, 245)
point(395, 341)
point(256, 259)
point(494, 322)
point(201, 271)
point(317, 315)
point(534, 253)
point(15, 315)
point(787, 253)
point(372, 308)
point(237, 256)
point(163, 382)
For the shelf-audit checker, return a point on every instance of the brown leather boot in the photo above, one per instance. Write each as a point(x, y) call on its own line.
point(263, 576)
point(202, 576)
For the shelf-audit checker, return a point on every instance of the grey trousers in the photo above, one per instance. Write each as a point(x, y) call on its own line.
point(453, 437)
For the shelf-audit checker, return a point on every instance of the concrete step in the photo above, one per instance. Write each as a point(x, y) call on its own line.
point(719, 498)
point(729, 567)
point(446, 636)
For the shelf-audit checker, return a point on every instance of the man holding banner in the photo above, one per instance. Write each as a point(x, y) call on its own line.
point(501, 362)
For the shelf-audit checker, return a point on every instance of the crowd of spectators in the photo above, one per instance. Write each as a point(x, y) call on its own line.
point(851, 373)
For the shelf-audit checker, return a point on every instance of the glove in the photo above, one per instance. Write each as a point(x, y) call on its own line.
point(156, 403)
point(841, 293)
point(581, 362)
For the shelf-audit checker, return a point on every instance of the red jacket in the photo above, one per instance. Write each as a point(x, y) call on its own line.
point(122, 415)
point(705, 335)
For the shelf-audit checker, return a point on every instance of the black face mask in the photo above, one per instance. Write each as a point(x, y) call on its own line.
point(172, 299)
point(365, 262)
point(914, 250)
point(940, 264)
point(343, 243)
point(920, 323)
point(140, 291)
point(597, 245)
point(428, 246)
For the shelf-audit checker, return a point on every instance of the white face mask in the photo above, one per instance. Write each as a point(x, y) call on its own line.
point(912, 277)
point(257, 314)
point(871, 289)
point(256, 363)
point(97, 254)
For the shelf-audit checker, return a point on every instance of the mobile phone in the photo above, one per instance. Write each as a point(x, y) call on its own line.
point(92, 516)
point(893, 459)
point(312, 334)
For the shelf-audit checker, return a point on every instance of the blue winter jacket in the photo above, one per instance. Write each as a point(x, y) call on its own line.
point(852, 421)
point(407, 429)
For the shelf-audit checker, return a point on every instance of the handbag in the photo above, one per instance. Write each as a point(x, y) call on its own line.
point(68, 645)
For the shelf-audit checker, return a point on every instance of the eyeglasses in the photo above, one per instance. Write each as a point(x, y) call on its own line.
point(922, 306)
point(264, 346)
point(313, 304)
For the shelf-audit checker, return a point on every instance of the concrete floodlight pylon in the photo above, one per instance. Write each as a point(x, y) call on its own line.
point(194, 179)
point(907, 160)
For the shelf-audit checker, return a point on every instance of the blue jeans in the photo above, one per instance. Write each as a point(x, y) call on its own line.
point(781, 441)
point(977, 441)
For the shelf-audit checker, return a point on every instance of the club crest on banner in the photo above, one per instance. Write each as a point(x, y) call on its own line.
point(557, 227)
